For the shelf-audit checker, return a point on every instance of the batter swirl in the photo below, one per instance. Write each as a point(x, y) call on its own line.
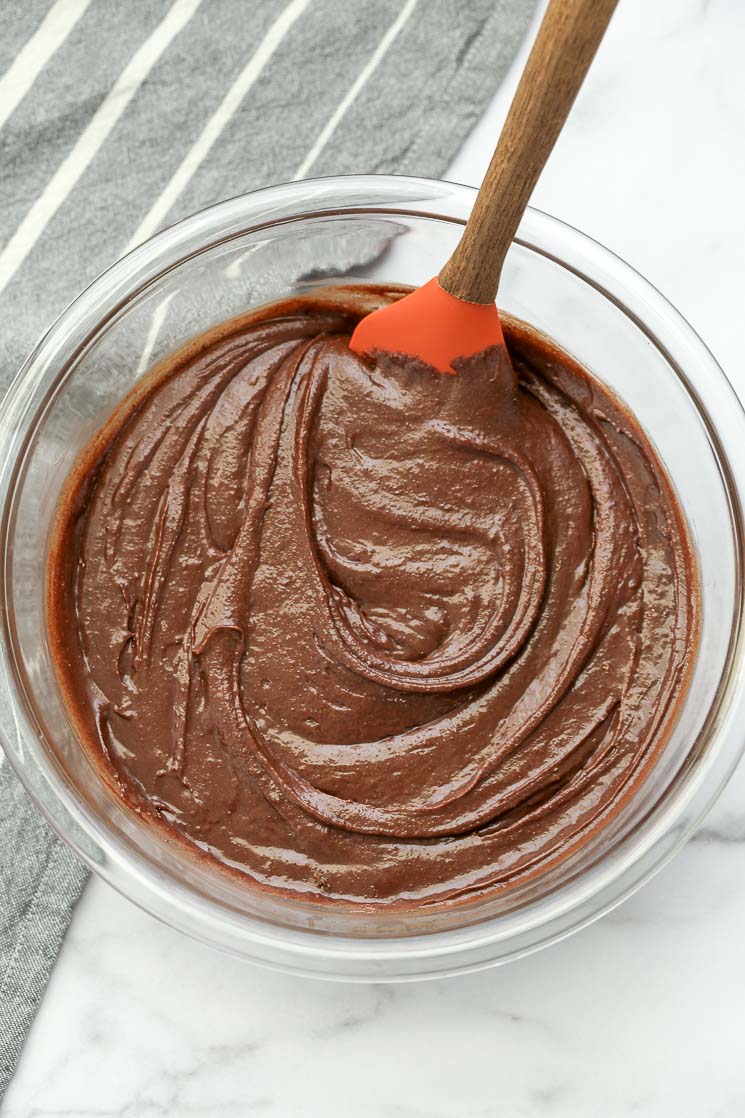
point(364, 632)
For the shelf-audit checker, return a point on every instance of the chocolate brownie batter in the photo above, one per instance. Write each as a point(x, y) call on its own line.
point(363, 632)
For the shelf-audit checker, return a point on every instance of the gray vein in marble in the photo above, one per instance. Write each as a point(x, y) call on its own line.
point(381, 998)
point(731, 832)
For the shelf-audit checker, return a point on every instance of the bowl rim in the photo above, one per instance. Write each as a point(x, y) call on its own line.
point(497, 939)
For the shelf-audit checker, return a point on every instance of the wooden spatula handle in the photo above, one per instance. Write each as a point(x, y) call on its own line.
point(564, 48)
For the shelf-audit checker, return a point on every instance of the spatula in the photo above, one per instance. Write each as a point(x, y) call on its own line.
point(454, 316)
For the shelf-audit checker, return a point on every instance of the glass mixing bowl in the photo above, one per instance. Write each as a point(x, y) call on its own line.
point(290, 239)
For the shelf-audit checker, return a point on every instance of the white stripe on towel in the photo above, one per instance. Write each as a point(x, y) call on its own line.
point(92, 137)
point(214, 126)
point(34, 55)
point(354, 91)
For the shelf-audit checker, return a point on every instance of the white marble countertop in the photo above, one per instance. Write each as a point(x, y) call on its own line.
point(643, 1013)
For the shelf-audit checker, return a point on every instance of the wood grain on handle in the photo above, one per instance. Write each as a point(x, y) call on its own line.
point(564, 48)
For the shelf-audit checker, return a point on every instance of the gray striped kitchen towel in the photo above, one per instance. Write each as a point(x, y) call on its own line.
point(119, 118)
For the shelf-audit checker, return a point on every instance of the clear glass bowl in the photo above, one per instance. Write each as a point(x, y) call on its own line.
point(289, 239)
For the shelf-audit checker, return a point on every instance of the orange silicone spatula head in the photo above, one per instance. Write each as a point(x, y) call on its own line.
point(454, 316)
point(428, 325)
